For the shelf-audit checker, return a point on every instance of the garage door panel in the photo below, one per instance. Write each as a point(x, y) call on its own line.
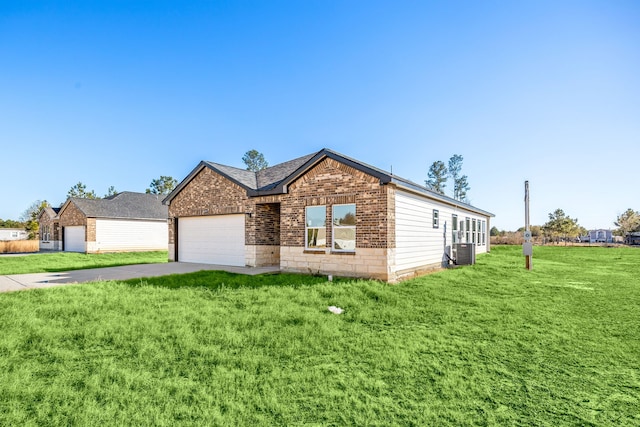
point(130, 235)
point(74, 239)
point(212, 240)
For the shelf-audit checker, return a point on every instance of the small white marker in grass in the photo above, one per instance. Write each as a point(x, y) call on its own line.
point(335, 310)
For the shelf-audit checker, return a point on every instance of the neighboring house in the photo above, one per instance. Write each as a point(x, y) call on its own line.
point(13, 234)
point(599, 236)
point(49, 229)
point(126, 222)
point(633, 238)
point(322, 213)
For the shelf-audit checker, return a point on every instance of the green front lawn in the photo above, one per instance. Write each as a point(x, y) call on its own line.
point(491, 344)
point(65, 261)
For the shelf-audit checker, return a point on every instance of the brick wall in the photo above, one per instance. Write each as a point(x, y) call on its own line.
point(91, 230)
point(265, 229)
point(331, 182)
point(209, 193)
point(72, 216)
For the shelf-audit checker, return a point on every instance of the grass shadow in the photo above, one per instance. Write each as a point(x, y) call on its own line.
point(215, 279)
point(89, 267)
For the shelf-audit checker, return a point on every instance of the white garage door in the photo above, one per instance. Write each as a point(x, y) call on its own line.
point(74, 239)
point(212, 239)
point(130, 235)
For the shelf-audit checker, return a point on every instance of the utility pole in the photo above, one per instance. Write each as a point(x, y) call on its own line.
point(527, 246)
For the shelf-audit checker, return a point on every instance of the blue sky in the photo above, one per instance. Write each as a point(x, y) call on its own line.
point(118, 93)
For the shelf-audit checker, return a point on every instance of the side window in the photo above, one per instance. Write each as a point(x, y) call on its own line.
point(454, 228)
point(473, 230)
point(484, 232)
point(316, 227)
point(436, 218)
point(344, 228)
point(467, 228)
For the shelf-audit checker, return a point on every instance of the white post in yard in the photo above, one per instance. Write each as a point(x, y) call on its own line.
point(527, 246)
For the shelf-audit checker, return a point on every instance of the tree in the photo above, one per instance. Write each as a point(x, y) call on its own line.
point(628, 222)
point(80, 190)
point(30, 218)
point(494, 231)
point(460, 188)
point(163, 185)
point(437, 177)
point(561, 225)
point(9, 223)
point(460, 182)
point(254, 160)
point(111, 192)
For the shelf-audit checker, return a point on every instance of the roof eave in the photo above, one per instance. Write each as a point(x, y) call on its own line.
point(203, 164)
point(435, 196)
point(281, 188)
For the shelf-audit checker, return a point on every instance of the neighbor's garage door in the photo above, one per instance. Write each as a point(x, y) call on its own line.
point(74, 239)
point(212, 239)
point(130, 235)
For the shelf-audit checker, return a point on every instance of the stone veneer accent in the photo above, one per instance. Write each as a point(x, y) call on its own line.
point(262, 255)
point(365, 262)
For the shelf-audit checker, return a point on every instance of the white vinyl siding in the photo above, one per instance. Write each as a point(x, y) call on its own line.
point(418, 243)
point(217, 239)
point(130, 235)
point(74, 239)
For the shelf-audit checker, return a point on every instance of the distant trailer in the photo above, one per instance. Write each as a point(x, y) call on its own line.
point(13, 234)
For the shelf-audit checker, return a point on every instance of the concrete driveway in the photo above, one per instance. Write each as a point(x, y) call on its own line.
point(17, 282)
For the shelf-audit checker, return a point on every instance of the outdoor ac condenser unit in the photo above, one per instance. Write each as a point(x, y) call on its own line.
point(465, 253)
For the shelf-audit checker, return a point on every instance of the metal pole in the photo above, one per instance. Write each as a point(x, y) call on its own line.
point(527, 247)
point(526, 205)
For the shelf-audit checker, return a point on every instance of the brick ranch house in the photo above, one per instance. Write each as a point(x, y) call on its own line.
point(49, 229)
point(125, 222)
point(322, 213)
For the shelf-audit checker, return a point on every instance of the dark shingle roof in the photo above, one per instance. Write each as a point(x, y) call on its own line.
point(241, 176)
point(127, 204)
point(273, 180)
point(270, 177)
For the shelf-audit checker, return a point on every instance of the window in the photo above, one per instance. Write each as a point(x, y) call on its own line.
point(484, 232)
point(344, 227)
point(473, 230)
point(454, 228)
point(467, 228)
point(436, 218)
point(316, 227)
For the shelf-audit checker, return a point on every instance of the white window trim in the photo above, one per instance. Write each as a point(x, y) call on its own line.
point(307, 228)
